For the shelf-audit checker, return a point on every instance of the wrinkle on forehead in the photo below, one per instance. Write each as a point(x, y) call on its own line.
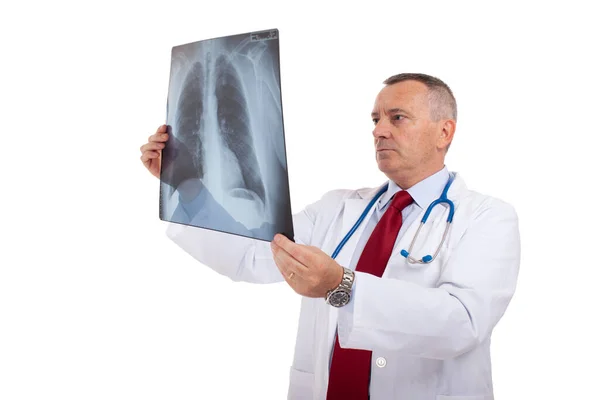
point(410, 96)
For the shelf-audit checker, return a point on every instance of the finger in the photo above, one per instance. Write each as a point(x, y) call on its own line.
point(161, 130)
point(282, 268)
point(289, 257)
point(293, 279)
point(159, 137)
point(289, 279)
point(146, 162)
point(300, 253)
point(152, 146)
point(286, 263)
point(149, 155)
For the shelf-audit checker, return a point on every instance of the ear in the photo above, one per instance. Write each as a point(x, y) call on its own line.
point(446, 133)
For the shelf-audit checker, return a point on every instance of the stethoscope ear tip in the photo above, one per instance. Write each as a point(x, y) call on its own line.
point(427, 259)
point(404, 253)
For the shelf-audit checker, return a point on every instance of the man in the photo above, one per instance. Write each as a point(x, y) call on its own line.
point(377, 320)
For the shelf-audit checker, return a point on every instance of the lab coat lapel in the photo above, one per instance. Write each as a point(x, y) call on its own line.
point(353, 208)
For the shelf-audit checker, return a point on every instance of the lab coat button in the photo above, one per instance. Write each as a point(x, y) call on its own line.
point(381, 362)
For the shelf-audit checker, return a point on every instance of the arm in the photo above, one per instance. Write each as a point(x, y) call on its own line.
point(471, 296)
point(237, 257)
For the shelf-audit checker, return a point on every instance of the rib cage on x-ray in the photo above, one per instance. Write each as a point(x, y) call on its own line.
point(189, 115)
point(233, 123)
point(234, 126)
point(225, 112)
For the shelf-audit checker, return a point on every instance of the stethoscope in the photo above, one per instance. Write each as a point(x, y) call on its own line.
point(443, 199)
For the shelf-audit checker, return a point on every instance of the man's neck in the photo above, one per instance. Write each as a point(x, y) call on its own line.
point(408, 179)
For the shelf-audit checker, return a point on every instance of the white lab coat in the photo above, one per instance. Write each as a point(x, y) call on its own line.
point(428, 327)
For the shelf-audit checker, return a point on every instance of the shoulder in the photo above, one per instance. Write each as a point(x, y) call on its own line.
point(331, 202)
point(487, 219)
point(479, 205)
point(337, 196)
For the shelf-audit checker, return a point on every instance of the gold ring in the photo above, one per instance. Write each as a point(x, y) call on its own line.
point(291, 276)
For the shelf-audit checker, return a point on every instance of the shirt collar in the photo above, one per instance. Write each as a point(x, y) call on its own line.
point(423, 193)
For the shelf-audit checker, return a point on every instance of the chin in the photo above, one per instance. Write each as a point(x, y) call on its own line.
point(387, 165)
point(391, 169)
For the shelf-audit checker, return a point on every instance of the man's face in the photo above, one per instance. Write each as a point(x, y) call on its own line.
point(406, 139)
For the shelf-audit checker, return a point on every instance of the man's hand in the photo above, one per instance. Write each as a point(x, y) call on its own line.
point(152, 151)
point(308, 270)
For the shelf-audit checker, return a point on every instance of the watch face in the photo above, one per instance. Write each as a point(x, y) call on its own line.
point(339, 298)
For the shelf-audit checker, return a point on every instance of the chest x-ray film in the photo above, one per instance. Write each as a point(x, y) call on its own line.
point(224, 166)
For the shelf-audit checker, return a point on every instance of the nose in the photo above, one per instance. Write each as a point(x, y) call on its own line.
point(382, 129)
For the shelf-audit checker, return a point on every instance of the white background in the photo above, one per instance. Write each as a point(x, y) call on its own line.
point(97, 303)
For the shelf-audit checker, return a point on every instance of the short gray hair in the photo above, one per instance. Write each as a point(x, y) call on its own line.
point(442, 103)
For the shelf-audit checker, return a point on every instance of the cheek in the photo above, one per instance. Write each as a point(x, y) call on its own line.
point(417, 141)
point(399, 140)
point(404, 144)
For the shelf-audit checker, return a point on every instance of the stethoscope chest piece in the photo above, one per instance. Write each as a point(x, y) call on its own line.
point(426, 259)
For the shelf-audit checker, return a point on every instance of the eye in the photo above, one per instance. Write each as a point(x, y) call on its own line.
point(397, 117)
point(375, 120)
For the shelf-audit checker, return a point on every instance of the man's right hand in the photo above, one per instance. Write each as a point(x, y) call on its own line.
point(152, 151)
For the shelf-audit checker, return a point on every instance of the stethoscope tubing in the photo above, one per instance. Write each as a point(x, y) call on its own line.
point(443, 199)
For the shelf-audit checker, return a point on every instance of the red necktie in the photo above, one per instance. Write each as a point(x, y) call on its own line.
point(349, 375)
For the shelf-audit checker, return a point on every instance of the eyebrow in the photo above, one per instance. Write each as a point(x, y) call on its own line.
point(391, 111)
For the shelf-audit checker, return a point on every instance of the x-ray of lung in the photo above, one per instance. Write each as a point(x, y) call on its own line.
point(224, 166)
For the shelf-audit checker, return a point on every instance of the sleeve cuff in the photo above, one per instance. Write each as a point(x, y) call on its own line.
point(349, 324)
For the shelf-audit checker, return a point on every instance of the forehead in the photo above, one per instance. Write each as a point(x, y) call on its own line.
point(409, 95)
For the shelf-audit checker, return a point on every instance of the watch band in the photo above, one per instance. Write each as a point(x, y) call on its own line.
point(347, 279)
point(345, 285)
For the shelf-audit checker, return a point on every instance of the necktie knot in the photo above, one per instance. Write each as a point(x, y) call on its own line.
point(401, 200)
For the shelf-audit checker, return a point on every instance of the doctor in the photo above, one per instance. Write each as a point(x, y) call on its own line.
point(392, 307)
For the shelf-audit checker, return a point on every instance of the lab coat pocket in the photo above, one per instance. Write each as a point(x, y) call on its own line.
point(482, 397)
point(301, 385)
